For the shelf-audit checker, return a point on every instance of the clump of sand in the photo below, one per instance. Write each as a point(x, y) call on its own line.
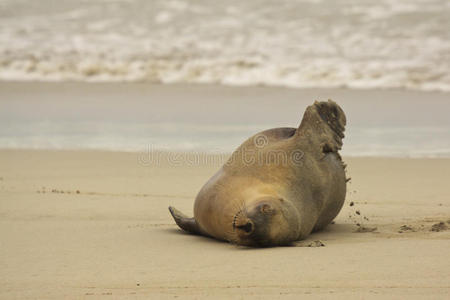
point(441, 226)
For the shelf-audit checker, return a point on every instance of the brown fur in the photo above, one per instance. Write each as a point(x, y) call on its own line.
point(278, 186)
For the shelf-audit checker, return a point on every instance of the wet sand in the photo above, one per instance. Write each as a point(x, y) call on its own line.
point(95, 225)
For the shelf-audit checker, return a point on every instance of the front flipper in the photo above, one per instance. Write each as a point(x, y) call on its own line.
point(184, 222)
point(323, 126)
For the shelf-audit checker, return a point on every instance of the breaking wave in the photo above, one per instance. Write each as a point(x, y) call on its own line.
point(309, 43)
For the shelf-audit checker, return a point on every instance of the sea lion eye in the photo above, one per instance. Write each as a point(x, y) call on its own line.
point(266, 209)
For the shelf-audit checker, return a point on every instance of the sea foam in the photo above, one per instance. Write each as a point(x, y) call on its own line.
point(302, 44)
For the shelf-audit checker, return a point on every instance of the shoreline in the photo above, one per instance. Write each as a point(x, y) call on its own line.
point(197, 154)
point(224, 85)
point(209, 118)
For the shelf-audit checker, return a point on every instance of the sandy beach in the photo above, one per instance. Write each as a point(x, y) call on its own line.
point(112, 111)
point(92, 224)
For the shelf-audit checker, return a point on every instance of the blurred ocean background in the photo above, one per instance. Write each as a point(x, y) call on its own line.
point(361, 45)
point(295, 43)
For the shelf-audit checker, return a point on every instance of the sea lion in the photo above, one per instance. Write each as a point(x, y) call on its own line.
point(278, 186)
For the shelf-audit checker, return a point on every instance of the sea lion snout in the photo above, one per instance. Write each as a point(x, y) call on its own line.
point(247, 227)
point(242, 225)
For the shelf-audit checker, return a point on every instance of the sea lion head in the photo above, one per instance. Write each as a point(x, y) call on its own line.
point(266, 221)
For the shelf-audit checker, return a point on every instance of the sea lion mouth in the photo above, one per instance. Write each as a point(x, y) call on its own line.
point(242, 223)
point(248, 227)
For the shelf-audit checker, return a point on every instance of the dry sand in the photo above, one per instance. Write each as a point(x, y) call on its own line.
point(95, 225)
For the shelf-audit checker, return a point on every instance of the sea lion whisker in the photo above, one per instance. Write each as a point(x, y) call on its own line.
point(235, 217)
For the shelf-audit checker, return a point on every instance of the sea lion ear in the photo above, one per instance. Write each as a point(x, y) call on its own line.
point(323, 125)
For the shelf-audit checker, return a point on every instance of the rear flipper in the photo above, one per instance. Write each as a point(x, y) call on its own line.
point(184, 222)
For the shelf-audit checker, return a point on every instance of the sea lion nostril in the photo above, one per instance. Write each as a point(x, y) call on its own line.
point(247, 227)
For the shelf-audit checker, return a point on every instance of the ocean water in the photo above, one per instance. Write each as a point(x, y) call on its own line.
point(295, 43)
point(415, 142)
point(214, 119)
